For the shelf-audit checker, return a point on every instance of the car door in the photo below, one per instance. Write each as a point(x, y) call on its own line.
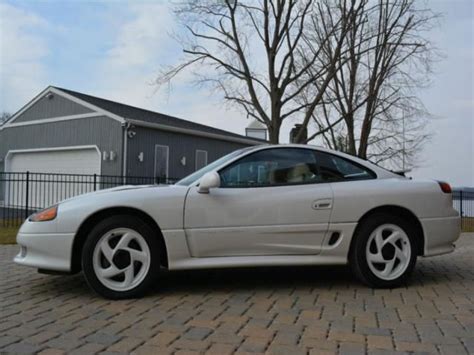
point(270, 202)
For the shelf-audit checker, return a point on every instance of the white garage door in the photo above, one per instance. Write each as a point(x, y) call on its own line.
point(76, 161)
point(75, 166)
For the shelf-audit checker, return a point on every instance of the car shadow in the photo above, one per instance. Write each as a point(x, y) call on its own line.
point(206, 281)
point(276, 279)
point(244, 279)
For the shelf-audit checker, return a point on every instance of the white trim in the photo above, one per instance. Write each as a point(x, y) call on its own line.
point(192, 132)
point(167, 160)
point(88, 105)
point(72, 98)
point(33, 150)
point(54, 119)
point(27, 106)
point(97, 110)
point(100, 111)
point(195, 158)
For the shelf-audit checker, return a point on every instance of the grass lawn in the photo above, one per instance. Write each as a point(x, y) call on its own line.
point(468, 225)
point(8, 235)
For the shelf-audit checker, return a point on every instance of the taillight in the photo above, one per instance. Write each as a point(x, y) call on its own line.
point(445, 187)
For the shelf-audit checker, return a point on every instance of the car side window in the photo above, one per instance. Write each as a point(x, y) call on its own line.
point(272, 167)
point(334, 168)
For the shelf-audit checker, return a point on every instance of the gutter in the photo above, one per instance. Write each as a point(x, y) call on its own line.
point(192, 132)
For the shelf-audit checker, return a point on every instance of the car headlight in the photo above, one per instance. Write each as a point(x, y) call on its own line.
point(48, 214)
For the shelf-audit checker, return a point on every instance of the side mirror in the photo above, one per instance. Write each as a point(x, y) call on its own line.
point(208, 181)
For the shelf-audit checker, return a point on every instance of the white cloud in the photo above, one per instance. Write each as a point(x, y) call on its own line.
point(136, 37)
point(139, 40)
point(140, 44)
point(22, 49)
point(449, 155)
point(464, 104)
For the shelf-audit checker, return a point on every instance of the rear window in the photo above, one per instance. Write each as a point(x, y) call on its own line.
point(334, 168)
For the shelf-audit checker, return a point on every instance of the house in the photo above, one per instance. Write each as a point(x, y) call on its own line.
point(67, 132)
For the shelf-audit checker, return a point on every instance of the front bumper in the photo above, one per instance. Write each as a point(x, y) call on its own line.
point(440, 234)
point(49, 251)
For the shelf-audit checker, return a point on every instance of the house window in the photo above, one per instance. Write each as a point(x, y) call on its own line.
point(201, 159)
point(161, 163)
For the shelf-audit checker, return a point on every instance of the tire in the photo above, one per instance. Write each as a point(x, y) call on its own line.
point(121, 258)
point(384, 251)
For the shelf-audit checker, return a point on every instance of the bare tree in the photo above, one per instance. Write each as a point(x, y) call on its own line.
point(4, 116)
point(372, 99)
point(260, 55)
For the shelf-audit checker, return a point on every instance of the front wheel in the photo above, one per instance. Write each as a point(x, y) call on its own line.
point(120, 258)
point(384, 251)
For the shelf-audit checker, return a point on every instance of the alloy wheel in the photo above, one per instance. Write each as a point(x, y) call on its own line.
point(388, 251)
point(121, 259)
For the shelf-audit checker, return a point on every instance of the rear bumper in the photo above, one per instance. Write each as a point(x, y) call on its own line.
point(440, 234)
point(45, 251)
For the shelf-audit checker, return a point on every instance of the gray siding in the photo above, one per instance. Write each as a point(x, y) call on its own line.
point(180, 145)
point(49, 108)
point(102, 131)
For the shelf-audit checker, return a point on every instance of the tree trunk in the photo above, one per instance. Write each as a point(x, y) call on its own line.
point(351, 146)
point(274, 134)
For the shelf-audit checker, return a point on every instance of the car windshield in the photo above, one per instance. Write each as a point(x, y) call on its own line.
point(188, 180)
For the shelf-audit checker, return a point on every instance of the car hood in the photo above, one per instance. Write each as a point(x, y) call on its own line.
point(127, 187)
point(114, 191)
point(163, 203)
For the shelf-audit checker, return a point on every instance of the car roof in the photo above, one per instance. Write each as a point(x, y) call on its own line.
point(379, 170)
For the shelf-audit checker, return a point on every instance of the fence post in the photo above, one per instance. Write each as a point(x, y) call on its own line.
point(27, 193)
point(95, 182)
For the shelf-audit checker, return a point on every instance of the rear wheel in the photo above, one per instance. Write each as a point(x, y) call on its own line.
point(120, 258)
point(384, 251)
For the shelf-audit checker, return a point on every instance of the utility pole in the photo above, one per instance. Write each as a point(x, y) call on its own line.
point(403, 141)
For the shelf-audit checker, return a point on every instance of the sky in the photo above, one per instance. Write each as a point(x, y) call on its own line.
point(114, 49)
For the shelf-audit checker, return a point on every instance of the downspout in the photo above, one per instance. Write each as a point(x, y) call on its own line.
point(125, 127)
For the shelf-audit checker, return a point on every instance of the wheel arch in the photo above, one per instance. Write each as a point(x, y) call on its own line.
point(398, 211)
point(92, 220)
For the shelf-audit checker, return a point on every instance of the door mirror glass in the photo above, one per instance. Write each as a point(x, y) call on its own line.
point(209, 181)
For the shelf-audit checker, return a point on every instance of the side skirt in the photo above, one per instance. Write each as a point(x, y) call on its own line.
point(253, 261)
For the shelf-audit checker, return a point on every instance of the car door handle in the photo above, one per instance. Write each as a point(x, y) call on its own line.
point(322, 204)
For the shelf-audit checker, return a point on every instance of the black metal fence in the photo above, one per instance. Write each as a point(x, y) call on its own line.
point(21, 194)
point(463, 202)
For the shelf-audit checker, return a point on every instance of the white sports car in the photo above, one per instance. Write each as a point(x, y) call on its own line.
point(259, 206)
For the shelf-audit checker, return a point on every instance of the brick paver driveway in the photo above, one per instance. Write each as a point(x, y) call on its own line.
point(279, 310)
